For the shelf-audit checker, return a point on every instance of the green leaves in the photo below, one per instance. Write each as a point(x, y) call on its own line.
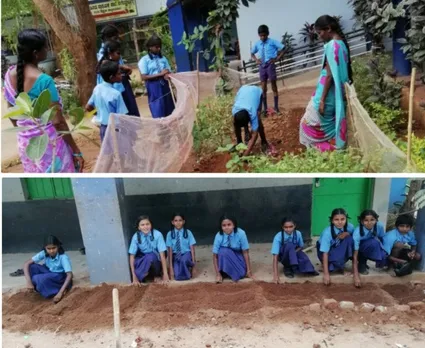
point(24, 102)
point(76, 116)
point(37, 147)
point(42, 104)
point(48, 115)
point(16, 112)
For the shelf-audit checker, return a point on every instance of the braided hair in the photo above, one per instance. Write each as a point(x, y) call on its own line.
point(368, 212)
point(284, 221)
point(173, 230)
point(154, 41)
point(29, 41)
point(332, 23)
point(338, 211)
point(231, 218)
point(52, 240)
point(110, 47)
point(139, 219)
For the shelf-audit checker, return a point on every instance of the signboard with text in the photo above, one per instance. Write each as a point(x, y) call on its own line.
point(105, 10)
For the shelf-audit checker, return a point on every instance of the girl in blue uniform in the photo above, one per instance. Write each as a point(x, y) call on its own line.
point(400, 244)
point(287, 249)
point(54, 277)
point(147, 253)
point(231, 251)
point(368, 238)
point(155, 69)
point(181, 249)
point(335, 246)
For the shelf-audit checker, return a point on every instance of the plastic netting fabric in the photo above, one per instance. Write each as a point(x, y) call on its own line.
point(383, 154)
point(147, 145)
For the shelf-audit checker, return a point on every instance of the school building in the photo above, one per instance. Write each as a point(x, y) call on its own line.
point(99, 214)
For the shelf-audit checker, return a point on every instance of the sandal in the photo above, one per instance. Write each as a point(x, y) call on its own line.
point(17, 273)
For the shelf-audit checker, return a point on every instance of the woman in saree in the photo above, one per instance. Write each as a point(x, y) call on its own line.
point(324, 125)
point(110, 37)
point(27, 77)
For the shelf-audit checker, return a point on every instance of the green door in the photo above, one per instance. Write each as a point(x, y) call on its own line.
point(48, 188)
point(352, 194)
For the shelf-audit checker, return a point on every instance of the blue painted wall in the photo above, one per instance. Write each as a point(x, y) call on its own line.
point(397, 190)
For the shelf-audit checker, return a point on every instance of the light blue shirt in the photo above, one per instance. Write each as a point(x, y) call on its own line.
point(185, 243)
point(326, 241)
point(148, 66)
point(118, 85)
point(267, 50)
point(106, 99)
point(295, 237)
point(368, 234)
point(147, 245)
point(237, 241)
point(249, 99)
point(59, 264)
point(394, 236)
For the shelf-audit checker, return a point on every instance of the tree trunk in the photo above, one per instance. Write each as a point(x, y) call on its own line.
point(80, 40)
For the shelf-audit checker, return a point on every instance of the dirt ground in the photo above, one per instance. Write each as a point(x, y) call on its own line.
point(216, 315)
point(281, 130)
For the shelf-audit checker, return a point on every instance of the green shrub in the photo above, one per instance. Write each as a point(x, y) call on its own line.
point(214, 126)
point(418, 152)
point(68, 65)
point(69, 99)
point(311, 161)
point(386, 119)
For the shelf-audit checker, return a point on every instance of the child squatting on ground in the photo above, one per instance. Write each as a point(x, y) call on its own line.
point(54, 278)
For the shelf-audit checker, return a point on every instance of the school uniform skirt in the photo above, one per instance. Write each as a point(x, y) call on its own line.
point(182, 265)
point(232, 263)
point(160, 99)
point(298, 261)
point(338, 255)
point(45, 282)
point(371, 249)
point(147, 264)
point(129, 98)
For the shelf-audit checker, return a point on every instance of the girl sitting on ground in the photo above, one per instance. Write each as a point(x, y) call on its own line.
point(181, 249)
point(335, 246)
point(287, 249)
point(231, 251)
point(400, 244)
point(147, 253)
point(368, 238)
point(54, 277)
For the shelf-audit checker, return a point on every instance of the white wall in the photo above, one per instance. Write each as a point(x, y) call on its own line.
point(12, 190)
point(286, 15)
point(149, 7)
point(149, 186)
point(381, 198)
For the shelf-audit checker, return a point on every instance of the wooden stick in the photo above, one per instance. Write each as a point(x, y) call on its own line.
point(136, 43)
point(172, 92)
point(117, 323)
point(115, 142)
point(197, 75)
point(409, 126)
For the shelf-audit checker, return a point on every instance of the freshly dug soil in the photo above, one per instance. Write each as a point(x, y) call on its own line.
point(166, 306)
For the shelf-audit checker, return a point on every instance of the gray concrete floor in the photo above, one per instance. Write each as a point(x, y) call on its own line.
point(261, 260)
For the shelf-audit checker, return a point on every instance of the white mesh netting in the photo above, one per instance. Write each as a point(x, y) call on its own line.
point(374, 144)
point(147, 145)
